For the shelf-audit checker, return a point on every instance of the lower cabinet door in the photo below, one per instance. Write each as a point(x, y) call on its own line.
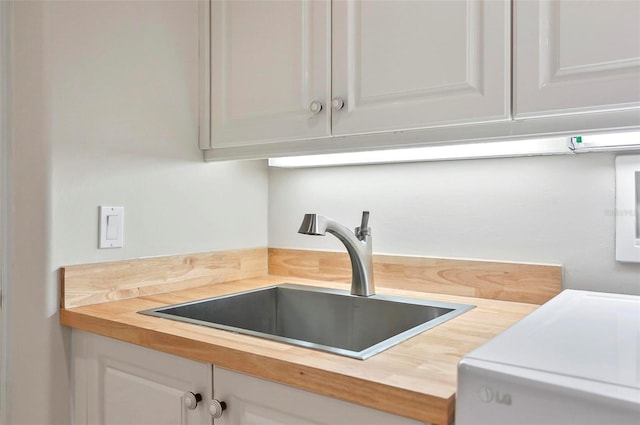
point(116, 383)
point(254, 401)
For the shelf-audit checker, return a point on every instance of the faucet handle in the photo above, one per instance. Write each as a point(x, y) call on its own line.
point(364, 230)
point(365, 220)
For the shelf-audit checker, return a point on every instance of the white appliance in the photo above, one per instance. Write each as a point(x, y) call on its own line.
point(575, 360)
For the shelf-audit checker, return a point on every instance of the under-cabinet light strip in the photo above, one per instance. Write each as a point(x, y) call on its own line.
point(501, 149)
point(429, 153)
point(606, 142)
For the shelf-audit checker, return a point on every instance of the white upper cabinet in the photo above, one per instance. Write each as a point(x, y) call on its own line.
point(576, 56)
point(410, 64)
point(283, 77)
point(270, 60)
point(276, 67)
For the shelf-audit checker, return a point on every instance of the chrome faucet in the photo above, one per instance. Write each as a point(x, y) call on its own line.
point(358, 246)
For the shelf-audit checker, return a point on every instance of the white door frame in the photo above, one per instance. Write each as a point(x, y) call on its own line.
point(4, 201)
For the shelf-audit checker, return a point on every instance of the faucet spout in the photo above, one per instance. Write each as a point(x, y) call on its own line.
point(313, 224)
point(358, 244)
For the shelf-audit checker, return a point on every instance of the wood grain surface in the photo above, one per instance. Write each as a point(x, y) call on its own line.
point(102, 282)
point(416, 378)
point(530, 283)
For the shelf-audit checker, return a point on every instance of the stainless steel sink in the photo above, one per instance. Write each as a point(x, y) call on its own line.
point(320, 318)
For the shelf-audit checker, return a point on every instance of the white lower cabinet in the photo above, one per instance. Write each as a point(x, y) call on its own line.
point(117, 383)
point(253, 401)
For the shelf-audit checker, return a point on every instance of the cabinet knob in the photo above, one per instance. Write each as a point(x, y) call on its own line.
point(191, 400)
point(216, 408)
point(337, 103)
point(315, 106)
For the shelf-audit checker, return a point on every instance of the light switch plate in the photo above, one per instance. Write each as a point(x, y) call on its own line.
point(111, 227)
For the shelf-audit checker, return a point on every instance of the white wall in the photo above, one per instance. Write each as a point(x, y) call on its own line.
point(105, 113)
point(124, 130)
point(556, 210)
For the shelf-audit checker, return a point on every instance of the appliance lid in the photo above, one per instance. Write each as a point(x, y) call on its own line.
point(579, 334)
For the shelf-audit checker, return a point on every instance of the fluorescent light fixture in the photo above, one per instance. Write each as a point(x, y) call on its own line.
point(501, 149)
point(606, 142)
point(558, 145)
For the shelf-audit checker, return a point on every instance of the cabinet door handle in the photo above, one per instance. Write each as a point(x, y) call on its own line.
point(315, 106)
point(191, 400)
point(216, 408)
point(337, 103)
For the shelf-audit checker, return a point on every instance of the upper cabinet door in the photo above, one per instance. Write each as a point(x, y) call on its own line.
point(269, 61)
point(576, 56)
point(401, 64)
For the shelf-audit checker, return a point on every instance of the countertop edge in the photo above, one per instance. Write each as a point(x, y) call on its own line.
point(399, 401)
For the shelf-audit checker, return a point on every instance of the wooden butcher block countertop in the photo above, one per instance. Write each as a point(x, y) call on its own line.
point(416, 378)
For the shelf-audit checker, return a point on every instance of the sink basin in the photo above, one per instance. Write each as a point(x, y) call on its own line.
point(320, 318)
